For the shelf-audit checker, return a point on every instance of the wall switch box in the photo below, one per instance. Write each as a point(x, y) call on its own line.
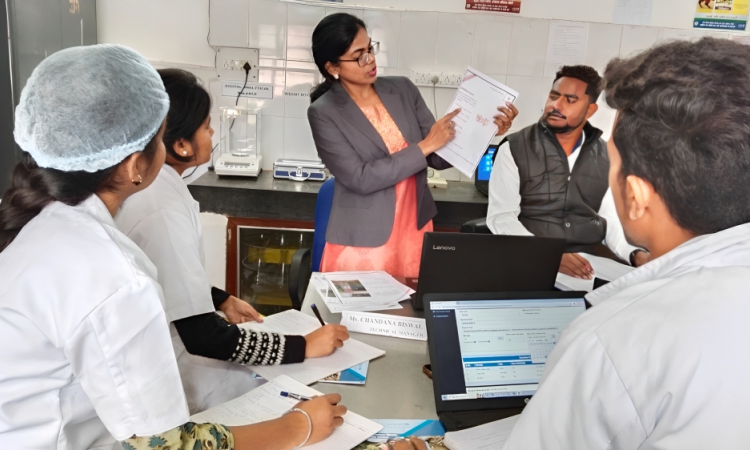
point(443, 79)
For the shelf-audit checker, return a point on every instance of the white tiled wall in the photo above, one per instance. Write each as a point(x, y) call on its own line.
point(511, 49)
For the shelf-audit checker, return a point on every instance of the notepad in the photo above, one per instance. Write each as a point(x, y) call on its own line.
point(490, 436)
point(313, 369)
point(266, 403)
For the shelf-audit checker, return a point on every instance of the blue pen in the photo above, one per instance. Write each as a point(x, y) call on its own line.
point(301, 398)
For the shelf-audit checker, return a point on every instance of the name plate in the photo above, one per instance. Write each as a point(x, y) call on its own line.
point(385, 325)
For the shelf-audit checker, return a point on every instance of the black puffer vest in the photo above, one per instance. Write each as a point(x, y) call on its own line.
point(554, 202)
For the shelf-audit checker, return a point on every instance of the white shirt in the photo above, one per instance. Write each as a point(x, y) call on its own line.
point(164, 220)
point(505, 202)
point(659, 362)
point(84, 345)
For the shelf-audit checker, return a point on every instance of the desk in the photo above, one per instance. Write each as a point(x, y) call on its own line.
point(396, 387)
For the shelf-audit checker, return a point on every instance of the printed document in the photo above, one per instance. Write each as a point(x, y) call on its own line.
point(478, 96)
point(313, 369)
point(490, 436)
point(266, 403)
point(604, 268)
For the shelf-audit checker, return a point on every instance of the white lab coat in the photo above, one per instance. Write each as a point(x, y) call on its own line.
point(164, 221)
point(661, 361)
point(85, 354)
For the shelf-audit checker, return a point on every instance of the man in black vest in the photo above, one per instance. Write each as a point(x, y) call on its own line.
point(550, 179)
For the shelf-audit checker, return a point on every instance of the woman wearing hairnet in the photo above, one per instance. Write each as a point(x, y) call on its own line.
point(85, 350)
point(163, 221)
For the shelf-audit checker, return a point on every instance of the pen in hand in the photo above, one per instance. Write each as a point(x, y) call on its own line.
point(317, 314)
point(301, 398)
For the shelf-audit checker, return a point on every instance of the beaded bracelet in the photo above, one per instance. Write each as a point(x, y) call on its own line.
point(309, 425)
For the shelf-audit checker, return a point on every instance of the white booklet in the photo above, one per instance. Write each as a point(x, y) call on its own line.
point(266, 403)
point(313, 369)
point(478, 96)
point(490, 436)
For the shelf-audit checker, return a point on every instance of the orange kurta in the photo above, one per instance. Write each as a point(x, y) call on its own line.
point(401, 254)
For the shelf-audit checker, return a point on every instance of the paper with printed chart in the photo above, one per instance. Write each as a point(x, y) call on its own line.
point(478, 96)
point(266, 403)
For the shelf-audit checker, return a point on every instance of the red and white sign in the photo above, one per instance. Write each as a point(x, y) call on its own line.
point(506, 6)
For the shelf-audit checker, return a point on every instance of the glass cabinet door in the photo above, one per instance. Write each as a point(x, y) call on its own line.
point(265, 258)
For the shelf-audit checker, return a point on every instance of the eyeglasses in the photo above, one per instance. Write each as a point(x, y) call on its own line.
point(364, 59)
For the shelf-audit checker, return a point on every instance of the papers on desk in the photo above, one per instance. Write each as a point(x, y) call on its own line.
point(266, 403)
point(353, 375)
point(360, 291)
point(395, 428)
point(490, 436)
point(478, 96)
point(604, 268)
point(313, 369)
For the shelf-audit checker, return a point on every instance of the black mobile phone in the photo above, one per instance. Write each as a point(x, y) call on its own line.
point(427, 369)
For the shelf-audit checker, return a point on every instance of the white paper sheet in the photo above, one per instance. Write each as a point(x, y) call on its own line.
point(313, 369)
point(490, 436)
point(266, 403)
point(633, 12)
point(385, 325)
point(566, 45)
point(604, 268)
point(478, 96)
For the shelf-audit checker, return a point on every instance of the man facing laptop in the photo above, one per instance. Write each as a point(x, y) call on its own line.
point(661, 359)
point(550, 179)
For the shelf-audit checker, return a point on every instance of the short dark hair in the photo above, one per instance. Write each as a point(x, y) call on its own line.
point(588, 75)
point(189, 106)
point(683, 115)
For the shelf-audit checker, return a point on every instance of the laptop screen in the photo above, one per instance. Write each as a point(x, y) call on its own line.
point(496, 348)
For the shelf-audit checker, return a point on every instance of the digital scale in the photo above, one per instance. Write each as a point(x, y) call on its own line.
point(242, 165)
point(239, 142)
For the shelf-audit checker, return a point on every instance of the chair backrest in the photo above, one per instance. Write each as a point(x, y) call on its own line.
point(323, 207)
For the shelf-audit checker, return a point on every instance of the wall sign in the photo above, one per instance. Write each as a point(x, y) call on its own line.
point(506, 6)
point(252, 90)
point(721, 14)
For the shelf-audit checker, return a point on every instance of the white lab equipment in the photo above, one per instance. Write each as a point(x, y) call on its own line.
point(240, 153)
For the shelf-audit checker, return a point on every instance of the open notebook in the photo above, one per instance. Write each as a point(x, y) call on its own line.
point(266, 403)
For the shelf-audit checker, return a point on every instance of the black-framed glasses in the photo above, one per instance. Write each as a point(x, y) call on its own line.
point(365, 58)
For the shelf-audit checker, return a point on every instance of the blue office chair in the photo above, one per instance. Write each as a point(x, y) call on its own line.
point(305, 260)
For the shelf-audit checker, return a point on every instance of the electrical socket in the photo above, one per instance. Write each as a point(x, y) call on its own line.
point(444, 79)
point(229, 62)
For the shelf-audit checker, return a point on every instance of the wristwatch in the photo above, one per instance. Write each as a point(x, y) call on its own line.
point(632, 255)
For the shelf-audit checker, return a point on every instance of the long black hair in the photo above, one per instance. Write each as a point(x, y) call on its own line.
point(332, 38)
point(189, 106)
point(33, 187)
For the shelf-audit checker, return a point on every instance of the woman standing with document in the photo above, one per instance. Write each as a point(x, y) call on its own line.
point(377, 137)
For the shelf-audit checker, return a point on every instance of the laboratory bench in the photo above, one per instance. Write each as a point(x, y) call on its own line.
point(269, 219)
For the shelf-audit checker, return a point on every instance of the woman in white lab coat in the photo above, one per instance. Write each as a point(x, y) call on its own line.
point(164, 221)
point(85, 350)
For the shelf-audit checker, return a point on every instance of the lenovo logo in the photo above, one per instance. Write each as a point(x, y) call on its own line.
point(442, 247)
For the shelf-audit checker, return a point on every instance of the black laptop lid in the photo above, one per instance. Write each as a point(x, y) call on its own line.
point(461, 262)
point(493, 346)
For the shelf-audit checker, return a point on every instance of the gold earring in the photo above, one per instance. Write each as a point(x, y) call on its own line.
point(140, 180)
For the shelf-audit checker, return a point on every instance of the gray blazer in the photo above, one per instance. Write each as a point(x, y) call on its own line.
point(364, 199)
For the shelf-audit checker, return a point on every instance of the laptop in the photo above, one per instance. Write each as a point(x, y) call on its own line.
point(492, 350)
point(461, 262)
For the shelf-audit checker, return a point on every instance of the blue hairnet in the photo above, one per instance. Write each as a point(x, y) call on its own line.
point(89, 108)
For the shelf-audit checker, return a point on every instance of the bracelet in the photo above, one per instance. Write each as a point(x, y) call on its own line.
point(309, 425)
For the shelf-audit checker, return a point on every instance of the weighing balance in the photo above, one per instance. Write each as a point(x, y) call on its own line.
point(239, 142)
